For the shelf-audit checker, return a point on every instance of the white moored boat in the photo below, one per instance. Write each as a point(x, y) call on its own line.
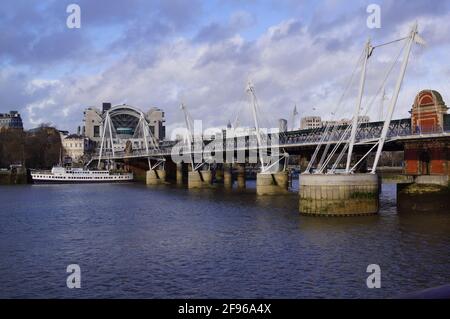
point(61, 175)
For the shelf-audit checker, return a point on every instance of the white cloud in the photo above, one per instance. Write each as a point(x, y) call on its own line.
point(40, 84)
point(288, 65)
point(38, 111)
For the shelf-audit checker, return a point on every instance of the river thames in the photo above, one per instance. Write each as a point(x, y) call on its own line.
point(134, 241)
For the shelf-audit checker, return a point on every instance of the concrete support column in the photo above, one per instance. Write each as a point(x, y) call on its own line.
point(240, 176)
point(199, 179)
point(227, 176)
point(207, 177)
point(179, 174)
point(219, 175)
point(339, 195)
point(272, 184)
point(156, 177)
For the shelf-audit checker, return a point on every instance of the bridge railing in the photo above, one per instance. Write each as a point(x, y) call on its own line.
point(430, 130)
point(366, 132)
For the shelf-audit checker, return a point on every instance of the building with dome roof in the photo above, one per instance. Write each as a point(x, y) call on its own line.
point(425, 158)
point(428, 112)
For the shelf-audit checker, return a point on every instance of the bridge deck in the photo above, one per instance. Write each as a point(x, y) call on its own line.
point(367, 134)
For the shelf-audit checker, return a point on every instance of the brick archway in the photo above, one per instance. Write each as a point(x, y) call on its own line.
point(425, 159)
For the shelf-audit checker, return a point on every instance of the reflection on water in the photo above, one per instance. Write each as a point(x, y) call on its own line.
point(155, 242)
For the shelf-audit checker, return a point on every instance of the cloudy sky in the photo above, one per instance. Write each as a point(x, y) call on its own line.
point(163, 52)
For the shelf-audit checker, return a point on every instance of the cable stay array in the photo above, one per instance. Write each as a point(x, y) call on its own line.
point(270, 163)
point(110, 137)
point(347, 140)
point(192, 142)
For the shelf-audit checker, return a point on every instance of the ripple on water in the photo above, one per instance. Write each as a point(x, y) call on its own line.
point(166, 242)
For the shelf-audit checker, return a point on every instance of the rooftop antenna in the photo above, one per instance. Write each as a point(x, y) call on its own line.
point(294, 117)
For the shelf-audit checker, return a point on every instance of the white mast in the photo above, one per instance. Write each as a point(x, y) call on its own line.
point(102, 142)
point(413, 37)
point(251, 91)
point(144, 132)
point(383, 98)
point(187, 119)
point(110, 134)
point(367, 52)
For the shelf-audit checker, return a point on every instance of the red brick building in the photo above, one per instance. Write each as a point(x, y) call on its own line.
point(428, 115)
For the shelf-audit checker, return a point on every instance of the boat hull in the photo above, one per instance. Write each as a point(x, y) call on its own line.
point(41, 181)
point(60, 175)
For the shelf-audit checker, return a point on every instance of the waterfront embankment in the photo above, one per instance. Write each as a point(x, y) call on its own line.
point(13, 176)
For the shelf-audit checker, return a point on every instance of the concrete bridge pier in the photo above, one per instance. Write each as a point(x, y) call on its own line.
point(199, 179)
point(179, 174)
point(339, 195)
point(227, 176)
point(272, 183)
point(156, 177)
point(427, 164)
point(219, 174)
point(426, 194)
point(240, 176)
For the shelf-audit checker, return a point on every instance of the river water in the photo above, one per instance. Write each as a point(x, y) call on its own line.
point(134, 241)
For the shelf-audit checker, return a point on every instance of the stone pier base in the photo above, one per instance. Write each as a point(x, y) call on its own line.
point(179, 174)
point(272, 184)
point(13, 177)
point(199, 179)
point(227, 177)
point(420, 197)
point(156, 177)
point(218, 177)
point(240, 176)
point(339, 195)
